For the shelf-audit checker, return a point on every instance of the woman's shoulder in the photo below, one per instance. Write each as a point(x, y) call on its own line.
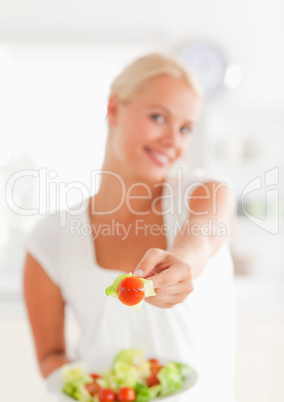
point(52, 236)
point(184, 181)
point(45, 226)
point(49, 228)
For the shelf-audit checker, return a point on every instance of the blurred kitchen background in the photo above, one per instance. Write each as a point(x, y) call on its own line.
point(57, 60)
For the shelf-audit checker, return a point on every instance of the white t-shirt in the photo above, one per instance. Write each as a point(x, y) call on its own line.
point(199, 331)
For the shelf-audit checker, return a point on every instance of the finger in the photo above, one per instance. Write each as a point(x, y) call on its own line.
point(159, 304)
point(180, 288)
point(170, 277)
point(170, 291)
point(153, 257)
point(166, 301)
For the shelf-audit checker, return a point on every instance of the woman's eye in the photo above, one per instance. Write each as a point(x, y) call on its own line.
point(158, 117)
point(186, 130)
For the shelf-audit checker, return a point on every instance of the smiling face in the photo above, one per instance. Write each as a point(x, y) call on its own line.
point(151, 131)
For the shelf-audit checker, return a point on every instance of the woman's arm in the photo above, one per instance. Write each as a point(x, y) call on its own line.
point(45, 308)
point(211, 215)
point(211, 218)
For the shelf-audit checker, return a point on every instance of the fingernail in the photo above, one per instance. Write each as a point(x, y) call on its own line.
point(139, 272)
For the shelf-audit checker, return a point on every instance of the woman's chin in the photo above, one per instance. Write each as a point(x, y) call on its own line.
point(153, 176)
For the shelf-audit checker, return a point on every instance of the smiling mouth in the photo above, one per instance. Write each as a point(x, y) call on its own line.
point(157, 157)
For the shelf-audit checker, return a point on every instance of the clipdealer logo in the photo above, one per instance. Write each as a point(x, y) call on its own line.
point(53, 195)
point(268, 183)
point(264, 186)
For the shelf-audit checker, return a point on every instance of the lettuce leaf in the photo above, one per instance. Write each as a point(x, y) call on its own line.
point(170, 379)
point(184, 370)
point(112, 289)
point(144, 393)
point(131, 356)
point(129, 368)
point(83, 395)
point(74, 379)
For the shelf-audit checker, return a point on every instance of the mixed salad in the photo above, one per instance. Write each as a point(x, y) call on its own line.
point(131, 290)
point(132, 378)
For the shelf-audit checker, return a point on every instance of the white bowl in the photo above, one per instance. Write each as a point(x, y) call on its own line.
point(54, 382)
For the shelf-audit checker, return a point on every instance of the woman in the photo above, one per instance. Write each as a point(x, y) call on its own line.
point(146, 222)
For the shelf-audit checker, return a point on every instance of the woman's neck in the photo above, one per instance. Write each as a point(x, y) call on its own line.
point(123, 195)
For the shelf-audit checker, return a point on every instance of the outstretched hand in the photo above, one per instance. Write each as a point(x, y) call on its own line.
point(172, 277)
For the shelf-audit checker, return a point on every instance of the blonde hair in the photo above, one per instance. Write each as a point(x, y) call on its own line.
point(149, 66)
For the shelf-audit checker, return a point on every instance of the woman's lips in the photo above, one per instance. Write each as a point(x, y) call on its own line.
point(159, 158)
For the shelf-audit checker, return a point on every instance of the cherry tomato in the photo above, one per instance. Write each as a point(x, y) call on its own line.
point(154, 361)
point(92, 388)
point(155, 369)
point(126, 394)
point(95, 376)
point(106, 395)
point(153, 380)
point(131, 290)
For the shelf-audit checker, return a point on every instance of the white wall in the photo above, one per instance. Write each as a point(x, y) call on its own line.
point(251, 32)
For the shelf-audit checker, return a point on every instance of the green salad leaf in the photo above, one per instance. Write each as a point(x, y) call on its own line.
point(74, 379)
point(184, 370)
point(144, 393)
point(83, 395)
point(170, 379)
point(131, 356)
point(112, 289)
point(129, 368)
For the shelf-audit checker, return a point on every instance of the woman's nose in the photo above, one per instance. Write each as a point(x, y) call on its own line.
point(171, 137)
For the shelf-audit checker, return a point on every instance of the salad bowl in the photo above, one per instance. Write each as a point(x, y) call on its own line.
point(55, 381)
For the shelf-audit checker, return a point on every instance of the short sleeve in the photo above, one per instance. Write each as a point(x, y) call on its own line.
point(43, 243)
